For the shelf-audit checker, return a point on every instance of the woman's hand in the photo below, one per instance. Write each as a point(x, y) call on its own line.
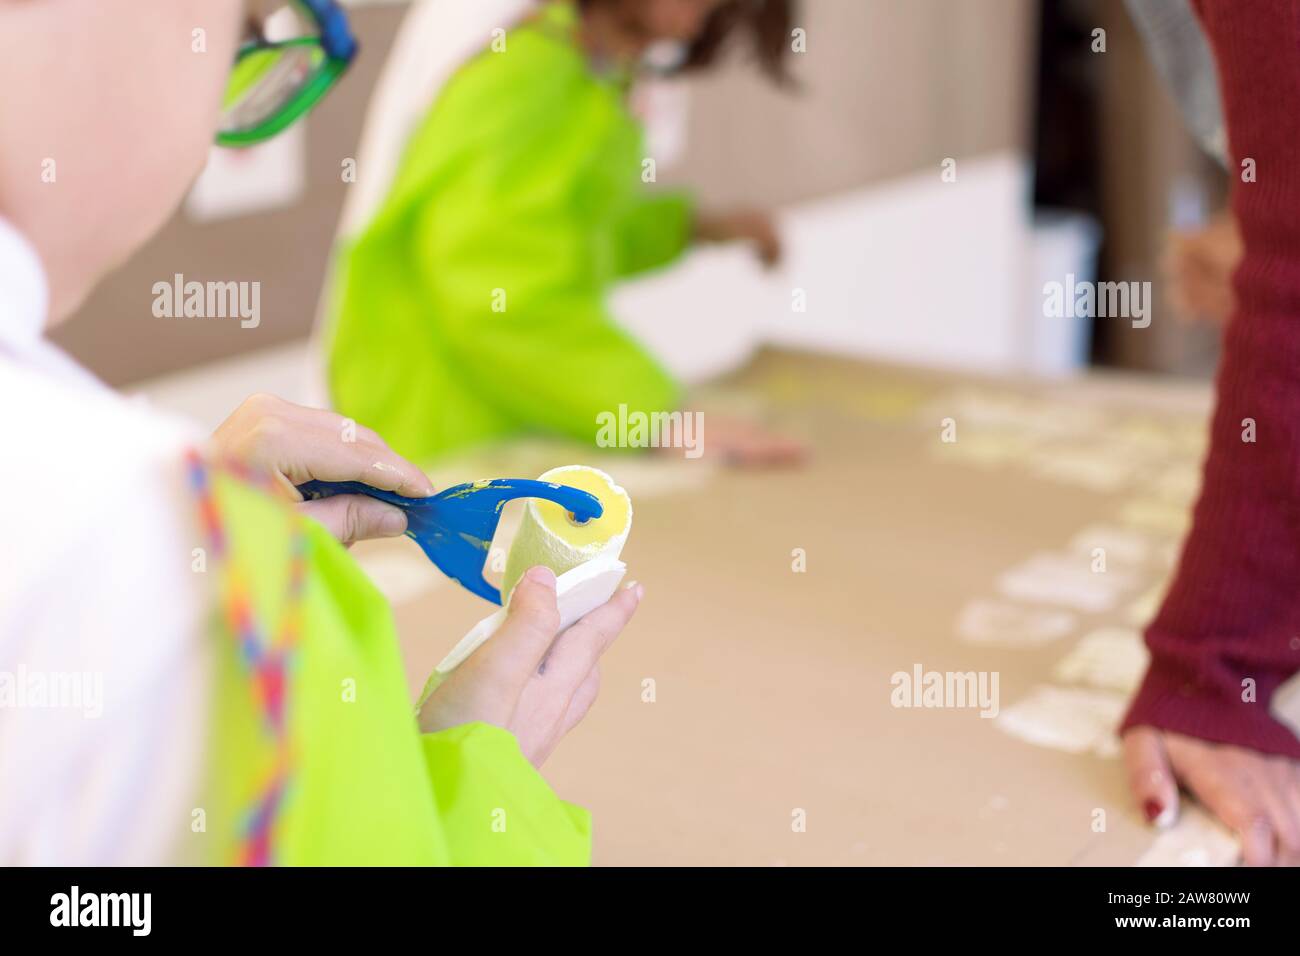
point(1257, 795)
point(744, 225)
point(1199, 264)
point(527, 680)
point(297, 444)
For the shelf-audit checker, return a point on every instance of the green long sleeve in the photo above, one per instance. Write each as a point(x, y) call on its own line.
point(654, 232)
point(495, 809)
point(518, 273)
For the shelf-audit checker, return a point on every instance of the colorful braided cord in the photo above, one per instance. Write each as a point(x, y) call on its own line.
point(267, 656)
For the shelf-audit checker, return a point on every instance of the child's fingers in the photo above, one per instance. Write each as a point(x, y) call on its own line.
point(579, 648)
point(368, 458)
point(769, 451)
point(321, 451)
point(581, 700)
point(518, 646)
point(356, 517)
point(299, 444)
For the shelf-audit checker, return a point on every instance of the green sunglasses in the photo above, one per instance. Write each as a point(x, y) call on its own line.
point(273, 84)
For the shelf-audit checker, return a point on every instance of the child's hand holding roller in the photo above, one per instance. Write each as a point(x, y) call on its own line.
point(528, 680)
point(297, 444)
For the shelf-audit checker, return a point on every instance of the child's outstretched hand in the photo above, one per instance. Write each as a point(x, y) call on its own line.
point(742, 225)
point(740, 443)
point(527, 680)
point(296, 444)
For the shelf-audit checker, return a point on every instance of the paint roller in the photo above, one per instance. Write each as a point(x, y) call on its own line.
point(575, 522)
point(583, 552)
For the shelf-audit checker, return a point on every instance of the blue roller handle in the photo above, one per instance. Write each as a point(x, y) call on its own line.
point(455, 527)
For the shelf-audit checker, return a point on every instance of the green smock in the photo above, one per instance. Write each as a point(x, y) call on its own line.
point(316, 757)
point(472, 307)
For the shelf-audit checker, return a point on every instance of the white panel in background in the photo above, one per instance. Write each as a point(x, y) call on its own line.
point(704, 317)
point(912, 270)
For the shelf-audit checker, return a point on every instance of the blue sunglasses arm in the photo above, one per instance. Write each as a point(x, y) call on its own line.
point(335, 33)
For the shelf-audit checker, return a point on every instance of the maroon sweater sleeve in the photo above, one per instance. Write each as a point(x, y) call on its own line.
point(1233, 611)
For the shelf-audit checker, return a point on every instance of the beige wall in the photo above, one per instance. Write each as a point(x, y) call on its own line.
point(888, 86)
point(285, 250)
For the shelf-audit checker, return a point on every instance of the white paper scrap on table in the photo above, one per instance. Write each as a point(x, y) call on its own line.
point(1144, 607)
point(1111, 658)
point(578, 592)
point(1014, 411)
point(1003, 624)
point(1196, 839)
point(986, 451)
point(1083, 468)
point(1064, 579)
point(1072, 719)
point(1122, 545)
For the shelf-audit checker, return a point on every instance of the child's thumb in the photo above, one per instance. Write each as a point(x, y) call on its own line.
point(532, 620)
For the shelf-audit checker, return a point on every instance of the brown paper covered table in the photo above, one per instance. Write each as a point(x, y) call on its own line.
point(746, 715)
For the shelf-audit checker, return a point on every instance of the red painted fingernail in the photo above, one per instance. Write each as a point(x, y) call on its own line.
point(1152, 809)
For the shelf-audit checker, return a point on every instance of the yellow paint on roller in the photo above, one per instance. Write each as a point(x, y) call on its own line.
point(613, 520)
point(549, 536)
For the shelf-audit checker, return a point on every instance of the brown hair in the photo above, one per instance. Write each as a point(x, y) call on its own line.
point(766, 22)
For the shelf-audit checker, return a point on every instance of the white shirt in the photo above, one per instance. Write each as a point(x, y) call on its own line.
point(100, 612)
